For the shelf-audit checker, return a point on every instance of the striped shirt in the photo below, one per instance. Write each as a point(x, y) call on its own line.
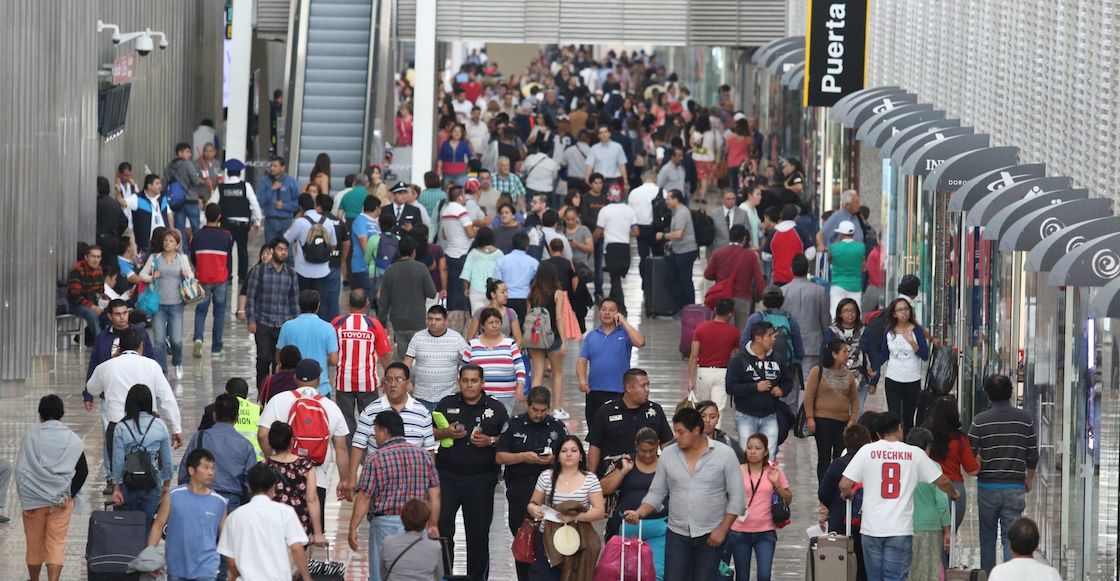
point(395, 474)
point(361, 340)
point(581, 495)
point(1006, 441)
point(503, 370)
point(435, 367)
point(454, 220)
point(417, 424)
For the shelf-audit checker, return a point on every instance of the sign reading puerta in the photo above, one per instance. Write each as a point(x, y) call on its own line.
point(835, 50)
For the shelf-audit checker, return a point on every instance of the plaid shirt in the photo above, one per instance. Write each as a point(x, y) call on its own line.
point(510, 184)
point(272, 297)
point(395, 473)
point(84, 285)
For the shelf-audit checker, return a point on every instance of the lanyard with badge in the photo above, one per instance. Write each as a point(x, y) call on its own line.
point(754, 489)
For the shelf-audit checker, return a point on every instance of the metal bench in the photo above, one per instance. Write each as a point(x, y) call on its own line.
point(70, 326)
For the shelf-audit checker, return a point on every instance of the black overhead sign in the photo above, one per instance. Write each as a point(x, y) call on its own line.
point(835, 50)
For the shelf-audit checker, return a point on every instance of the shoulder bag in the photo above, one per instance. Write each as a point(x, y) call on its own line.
point(148, 303)
point(190, 289)
point(724, 289)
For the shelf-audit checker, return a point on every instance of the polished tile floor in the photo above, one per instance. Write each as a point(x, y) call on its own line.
point(204, 379)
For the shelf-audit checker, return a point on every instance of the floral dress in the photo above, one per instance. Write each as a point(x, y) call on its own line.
point(292, 488)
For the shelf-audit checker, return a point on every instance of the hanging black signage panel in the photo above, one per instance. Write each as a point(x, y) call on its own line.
point(986, 208)
point(895, 125)
point(886, 151)
point(957, 170)
point(875, 120)
point(1047, 252)
point(840, 108)
point(835, 50)
point(981, 186)
point(1094, 263)
point(861, 112)
point(1030, 230)
point(926, 159)
point(905, 150)
point(998, 225)
point(1107, 301)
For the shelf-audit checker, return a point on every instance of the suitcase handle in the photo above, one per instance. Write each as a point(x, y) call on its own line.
point(953, 554)
point(848, 518)
point(622, 564)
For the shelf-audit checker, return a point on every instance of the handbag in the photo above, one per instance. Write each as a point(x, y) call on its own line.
point(724, 289)
point(525, 543)
point(779, 511)
point(801, 423)
point(191, 290)
point(148, 303)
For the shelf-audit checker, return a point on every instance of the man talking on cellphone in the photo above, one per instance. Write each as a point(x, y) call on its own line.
point(606, 350)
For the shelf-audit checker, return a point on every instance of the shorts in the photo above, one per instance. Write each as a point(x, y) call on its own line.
point(705, 169)
point(46, 529)
point(556, 344)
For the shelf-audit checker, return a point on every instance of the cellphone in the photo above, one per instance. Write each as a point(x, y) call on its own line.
point(545, 452)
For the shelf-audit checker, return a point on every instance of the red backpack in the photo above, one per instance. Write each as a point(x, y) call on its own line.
point(311, 433)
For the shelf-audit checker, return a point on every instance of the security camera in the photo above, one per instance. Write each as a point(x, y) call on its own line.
point(144, 45)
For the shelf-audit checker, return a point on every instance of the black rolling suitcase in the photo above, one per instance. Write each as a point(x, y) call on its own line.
point(658, 301)
point(114, 539)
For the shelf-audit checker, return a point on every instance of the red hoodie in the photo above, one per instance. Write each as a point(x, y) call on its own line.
point(784, 245)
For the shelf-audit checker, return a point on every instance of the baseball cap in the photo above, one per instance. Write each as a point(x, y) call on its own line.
point(308, 370)
point(234, 165)
point(399, 187)
point(846, 228)
point(739, 115)
point(614, 193)
point(472, 185)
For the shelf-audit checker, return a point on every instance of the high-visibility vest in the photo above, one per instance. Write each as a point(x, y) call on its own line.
point(248, 414)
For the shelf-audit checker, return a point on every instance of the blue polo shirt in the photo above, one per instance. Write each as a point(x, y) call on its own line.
point(608, 357)
point(315, 338)
point(517, 270)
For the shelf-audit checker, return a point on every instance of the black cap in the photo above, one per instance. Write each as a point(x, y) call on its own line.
point(308, 370)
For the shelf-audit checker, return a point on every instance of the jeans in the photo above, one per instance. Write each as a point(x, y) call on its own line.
point(749, 425)
point(680, 283)
point(902, 399)
point(321, 286)
point(190, 212)
point(887, 558)
point(998, 508)
point(352, 404)
point(240, 233)
point(403, 338)
point(962, 502)
point(168, 322)
point(93, 321)
point(456, 300)
point(276, 227)
point(691, 558)
point(600, 251)
point(474, 493)
point(830, 443)
point(762, 544)
point(328, 299)
point(219, 293)
point(363, 281)
point(146, 502)
point(381, 528)
point(265, 338)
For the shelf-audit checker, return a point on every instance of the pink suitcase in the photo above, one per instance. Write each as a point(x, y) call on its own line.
point(691, 317)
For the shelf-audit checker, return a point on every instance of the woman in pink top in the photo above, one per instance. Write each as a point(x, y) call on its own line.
point(738, 144)
point(755, 531)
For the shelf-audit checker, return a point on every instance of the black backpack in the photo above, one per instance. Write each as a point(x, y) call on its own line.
point(662, 215)
point(704, 227)
point(317, 247)
point(139, 470)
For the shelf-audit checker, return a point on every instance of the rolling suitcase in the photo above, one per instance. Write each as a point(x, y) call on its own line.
point(832, 557)
point(956, 571)
point(626, 559)
point(658, 301)
point(114, 539)
point(691, 317)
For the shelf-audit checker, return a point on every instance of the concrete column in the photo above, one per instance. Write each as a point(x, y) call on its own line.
point(236, 63)
point(424, 92)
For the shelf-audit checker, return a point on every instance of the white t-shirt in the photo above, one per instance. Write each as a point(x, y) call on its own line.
point(278, 408)
point(454, 220)
point(1021, 569)
point(540, 173)
point(641, 201)
point(616, 220)
point(904, 364)
point(889, 472)
point(258, 535)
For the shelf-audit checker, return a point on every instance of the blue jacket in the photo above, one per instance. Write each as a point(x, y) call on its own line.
point(157, 442)
point(288, 196)
point(884, 353)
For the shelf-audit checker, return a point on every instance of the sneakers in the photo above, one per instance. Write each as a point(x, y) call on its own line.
point(178, 372)
point(197, 348)
point(561, 414)
point(4, 520)
point(217, 355)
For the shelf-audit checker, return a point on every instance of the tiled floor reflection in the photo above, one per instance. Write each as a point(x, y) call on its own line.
point(204, 379)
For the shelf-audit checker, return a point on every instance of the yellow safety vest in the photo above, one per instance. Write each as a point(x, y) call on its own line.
point(248, 414)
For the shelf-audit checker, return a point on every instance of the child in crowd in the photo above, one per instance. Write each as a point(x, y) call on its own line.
point(931, 520)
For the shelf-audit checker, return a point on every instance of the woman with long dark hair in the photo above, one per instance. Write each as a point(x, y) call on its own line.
point(848, 327)
point(297, 481)
point(951, 447)
point(321, 173)
point(568, 480)
point(831, 402)
point(545, 293)
point(141, 429)
point(903, 350)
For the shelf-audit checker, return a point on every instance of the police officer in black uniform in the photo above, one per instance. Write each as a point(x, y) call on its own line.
point(240, 211)
point(611, 433)
point(525, 449)
point(468, 471)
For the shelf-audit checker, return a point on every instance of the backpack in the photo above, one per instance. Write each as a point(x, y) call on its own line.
point(704, 227)
point(388, 250)
point(176, 196)
point(311, 433)
point(139, 469)
point(317, 247)
point(783, 346)
point(537, 330)
point(662, 215)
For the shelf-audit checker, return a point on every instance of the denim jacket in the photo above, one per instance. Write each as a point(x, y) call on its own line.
point(157, 442)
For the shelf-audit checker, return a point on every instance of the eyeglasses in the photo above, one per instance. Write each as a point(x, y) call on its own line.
point(395, 379)
point(902, 310)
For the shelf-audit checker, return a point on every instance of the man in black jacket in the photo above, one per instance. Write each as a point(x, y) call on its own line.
point(756, 381)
